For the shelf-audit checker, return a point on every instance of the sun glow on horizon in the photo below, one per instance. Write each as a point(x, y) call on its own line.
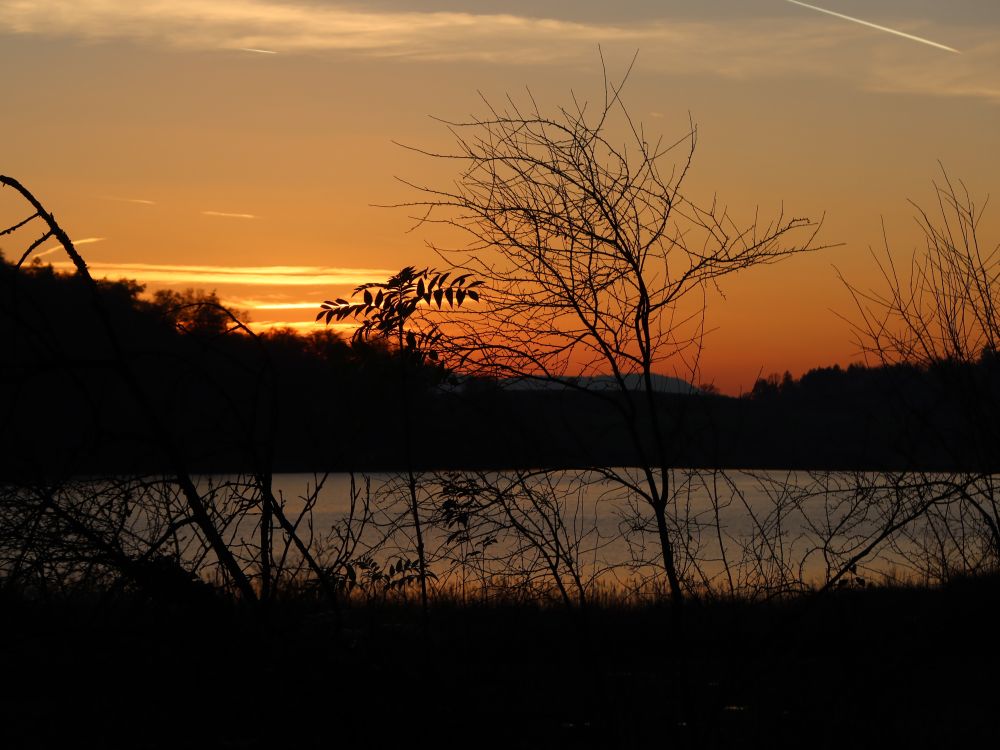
point(282, 306)
point(301, 327)
point(312, 276)
point(245, 147)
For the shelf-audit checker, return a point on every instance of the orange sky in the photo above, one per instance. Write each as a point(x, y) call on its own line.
point(176, 155)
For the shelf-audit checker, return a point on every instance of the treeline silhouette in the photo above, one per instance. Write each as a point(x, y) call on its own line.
point(219, 389)
point(303, 402)
point(941, 415)
point(920, 385)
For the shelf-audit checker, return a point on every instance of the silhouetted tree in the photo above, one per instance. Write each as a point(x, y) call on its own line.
point(940, 312)
point(140, 369)
point(594, 263)
point(194, 311)
point(944, 307)
point(199, 511)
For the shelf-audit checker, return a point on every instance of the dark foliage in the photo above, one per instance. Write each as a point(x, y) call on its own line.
point(873, 668)
point(937, 415)
point(67, 413)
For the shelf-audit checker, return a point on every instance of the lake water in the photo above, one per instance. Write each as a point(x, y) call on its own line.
point(748, 532)
point(550, 533)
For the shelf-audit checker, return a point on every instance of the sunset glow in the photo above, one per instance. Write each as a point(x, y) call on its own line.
point(207, 276)
point(245, 146)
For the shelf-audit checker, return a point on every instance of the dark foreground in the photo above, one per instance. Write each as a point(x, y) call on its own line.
point(884, 667)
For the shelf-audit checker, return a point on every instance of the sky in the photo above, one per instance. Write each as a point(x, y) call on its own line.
point(246, 146)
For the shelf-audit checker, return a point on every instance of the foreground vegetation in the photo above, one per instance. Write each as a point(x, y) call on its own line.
point(881, 667)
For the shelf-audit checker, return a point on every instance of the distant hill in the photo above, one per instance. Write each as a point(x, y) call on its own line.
point(633, 382)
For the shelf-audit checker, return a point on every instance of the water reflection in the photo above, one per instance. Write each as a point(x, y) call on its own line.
point(568, 535)
point(747, 533)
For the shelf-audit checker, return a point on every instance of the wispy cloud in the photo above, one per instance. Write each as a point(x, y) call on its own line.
point(228, 215)
point(871, 25)
point(76, 243)
point(790, 44)
point(300, 326)
point(961, 78)
point(271, 290)
point(206, 276)
point(266, 26)
point(140, 201)
point(48, 251)
point(259, 51)
point(283, 306)
point(278, 301)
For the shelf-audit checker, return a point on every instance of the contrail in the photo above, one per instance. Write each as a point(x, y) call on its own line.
point(140, 201)
point(876, 26)
point(57, 248)
point(227, 215)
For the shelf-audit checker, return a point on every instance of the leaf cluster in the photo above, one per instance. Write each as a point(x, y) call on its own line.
point(463, 500)
point(366, 573)
point(386, 307)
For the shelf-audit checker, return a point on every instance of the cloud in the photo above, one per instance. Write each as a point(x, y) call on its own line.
point(301, 326)
point(960, 76)
point(47, 251)
point(267, 25)
point(282, 306)
point(207, 276)
point(76, 243)
point(140, 201)
point(790, 43)
point(227, 215)
point(278, 288)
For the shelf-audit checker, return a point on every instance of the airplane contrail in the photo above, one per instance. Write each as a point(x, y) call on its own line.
point(57, 248)
point(228, 215)
point(140, 201)
point(876, 26)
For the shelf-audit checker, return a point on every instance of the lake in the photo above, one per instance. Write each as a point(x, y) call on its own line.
point(565, 534)
point(748, 532)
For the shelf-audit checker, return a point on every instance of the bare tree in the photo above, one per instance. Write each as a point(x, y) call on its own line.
point(940, 313)
point(595, 263)
point(199, 512)
point(946, 305)
point(138, 527)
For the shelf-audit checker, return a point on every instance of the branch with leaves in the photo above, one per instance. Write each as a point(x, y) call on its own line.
point(387, 308)
point(388, 311)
